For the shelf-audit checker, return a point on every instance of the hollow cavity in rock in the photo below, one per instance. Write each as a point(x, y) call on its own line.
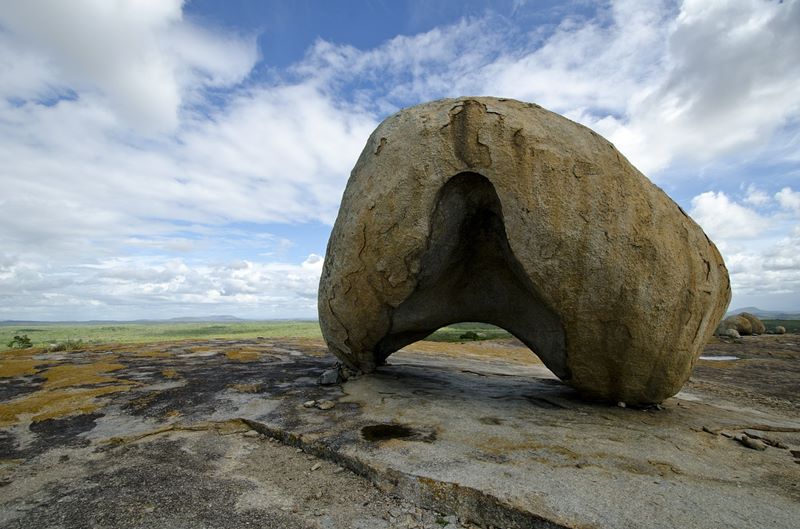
point(469, 273)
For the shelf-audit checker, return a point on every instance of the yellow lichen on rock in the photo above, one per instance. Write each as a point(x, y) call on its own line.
point(18, 365)
point(51, 404)
point(242, 355)
point(80, 375)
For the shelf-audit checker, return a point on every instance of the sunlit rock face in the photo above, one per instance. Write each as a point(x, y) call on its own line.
point(494, 210)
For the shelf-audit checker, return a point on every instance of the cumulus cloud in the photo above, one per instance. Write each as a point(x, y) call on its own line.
point(723, 218)
point(141, 58)
point(760, 250)
point(789, 199)
point(135, 140)
point(756, 197)
point(662, 82)
point(154, 287)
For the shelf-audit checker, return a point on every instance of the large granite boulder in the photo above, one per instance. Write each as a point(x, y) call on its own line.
point(738, 322)
point(494, 210)
point(756, 325)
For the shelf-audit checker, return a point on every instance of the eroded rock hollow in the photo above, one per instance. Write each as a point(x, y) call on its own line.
point(494, 210)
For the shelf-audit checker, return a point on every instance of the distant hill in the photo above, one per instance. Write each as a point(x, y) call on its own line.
point(196, 319)
point(767, 314)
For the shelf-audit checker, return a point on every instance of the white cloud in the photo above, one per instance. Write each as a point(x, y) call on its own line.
point(691, 84)
point(760, 251)
point(756, 196)
point(730, 73)
point(117, 287)
point(722, 218)
point(118, 175)
point(789, 199)
point(141, 58)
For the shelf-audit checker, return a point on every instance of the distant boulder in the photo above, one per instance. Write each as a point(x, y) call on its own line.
point(739, 323)
point(780, 329)
point(731, 333)
point(757, 326)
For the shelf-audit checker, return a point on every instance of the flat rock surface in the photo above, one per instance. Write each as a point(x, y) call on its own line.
point(239, 434)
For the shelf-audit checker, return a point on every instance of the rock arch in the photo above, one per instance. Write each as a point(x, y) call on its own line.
point(495, 210)
point(467, 256)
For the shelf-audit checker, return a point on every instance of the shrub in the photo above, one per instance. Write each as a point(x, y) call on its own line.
point(68, 345)
point(470, 335)
point(20, 342)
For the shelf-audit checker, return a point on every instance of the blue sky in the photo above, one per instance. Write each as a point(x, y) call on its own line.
point(169, 158)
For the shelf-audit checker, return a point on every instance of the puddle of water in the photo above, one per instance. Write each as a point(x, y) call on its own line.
point(723, 357)
point(384, 432)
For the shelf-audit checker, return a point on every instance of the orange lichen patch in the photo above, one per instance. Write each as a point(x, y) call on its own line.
point(247, 388)
point(169, 373)
point(507, 350)
point(51, 404)
point(310, 346)
point(80, 375)
point(243, 355)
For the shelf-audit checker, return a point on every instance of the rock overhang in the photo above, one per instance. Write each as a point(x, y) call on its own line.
point(623, 287)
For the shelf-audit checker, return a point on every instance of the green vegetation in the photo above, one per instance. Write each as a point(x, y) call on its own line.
point(73, 336)
point(67, 345)
point(20, 342)
point(790, 325)
point(68, 336)
point(460, 332)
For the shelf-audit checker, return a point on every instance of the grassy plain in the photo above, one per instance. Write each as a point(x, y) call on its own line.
point(789, 325)
point(47, 334)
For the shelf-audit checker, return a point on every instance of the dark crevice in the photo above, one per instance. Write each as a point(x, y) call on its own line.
point(468, 272)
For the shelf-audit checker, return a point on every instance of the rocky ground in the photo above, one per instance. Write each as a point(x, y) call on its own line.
point(239, 434)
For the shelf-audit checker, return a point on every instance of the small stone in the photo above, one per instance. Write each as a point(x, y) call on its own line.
point(325, 404)
point(316, 466)
point(621, 404)
point(329, 377)
point(298, 450)
point(309, 403)
point(337, 470)
point(749, 442)
point(708, 429)
point(753, 434)
point(732, 333)
point(251, 433)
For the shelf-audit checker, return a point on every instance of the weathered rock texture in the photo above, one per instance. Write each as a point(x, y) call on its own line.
point(756, 325)
point(738, 322)
point(494, 210)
